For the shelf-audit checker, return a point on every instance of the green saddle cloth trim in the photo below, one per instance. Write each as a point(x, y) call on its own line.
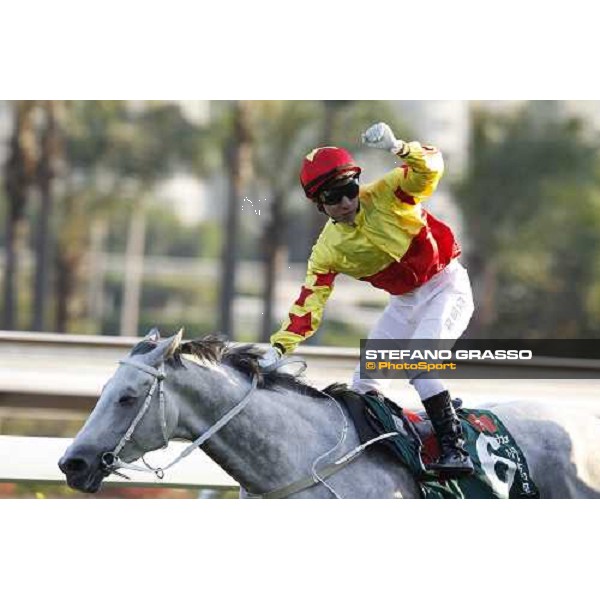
point(501, 469)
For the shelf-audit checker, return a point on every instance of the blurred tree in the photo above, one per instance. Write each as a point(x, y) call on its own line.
point(116, 153)
point(92, 191)
point(531, 201)
point(329, 115)
point(19, 177)
point(48, 166)
point(284, 130)
point(71, 244)
point(238, 159)
point(163, 140)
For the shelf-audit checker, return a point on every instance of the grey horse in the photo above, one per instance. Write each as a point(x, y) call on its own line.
point(278, 437)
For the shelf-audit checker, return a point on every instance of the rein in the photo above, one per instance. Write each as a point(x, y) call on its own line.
point(112, 463)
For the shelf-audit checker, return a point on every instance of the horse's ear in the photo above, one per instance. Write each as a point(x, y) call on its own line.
point(174, 343)
point(153, 335)
point(165, 349)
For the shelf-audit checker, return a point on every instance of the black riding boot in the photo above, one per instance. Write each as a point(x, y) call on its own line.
point(454, 460)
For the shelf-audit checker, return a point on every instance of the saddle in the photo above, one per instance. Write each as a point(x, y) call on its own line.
point(375, 416)
point(416, 446)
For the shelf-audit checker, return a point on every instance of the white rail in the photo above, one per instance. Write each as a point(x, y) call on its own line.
point(68, 371)
point(34, 460)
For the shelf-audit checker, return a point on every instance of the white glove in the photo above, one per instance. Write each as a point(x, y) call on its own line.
point(381, 136)
point(269, 358)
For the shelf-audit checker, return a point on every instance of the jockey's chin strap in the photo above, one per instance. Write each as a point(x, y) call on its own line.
point(111, 461)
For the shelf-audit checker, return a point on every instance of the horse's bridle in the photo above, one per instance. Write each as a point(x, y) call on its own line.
point(111, 462)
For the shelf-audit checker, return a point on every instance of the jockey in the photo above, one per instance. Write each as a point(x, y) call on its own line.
point(380, 234)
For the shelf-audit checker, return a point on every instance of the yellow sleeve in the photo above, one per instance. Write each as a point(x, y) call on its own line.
point(306, 313)
point(419, 176)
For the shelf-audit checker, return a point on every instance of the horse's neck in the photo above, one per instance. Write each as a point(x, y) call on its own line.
point(273, 441)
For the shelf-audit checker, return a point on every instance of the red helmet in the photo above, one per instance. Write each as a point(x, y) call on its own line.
point(323, 165)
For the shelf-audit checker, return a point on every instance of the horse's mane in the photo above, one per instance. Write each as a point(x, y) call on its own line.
point(242, 357)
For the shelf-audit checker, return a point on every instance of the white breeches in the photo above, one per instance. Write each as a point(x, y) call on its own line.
point(439, 309)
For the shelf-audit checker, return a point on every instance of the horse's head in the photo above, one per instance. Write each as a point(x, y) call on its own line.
point(129, 419)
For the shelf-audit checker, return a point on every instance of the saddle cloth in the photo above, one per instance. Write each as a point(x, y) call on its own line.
point(501, 469)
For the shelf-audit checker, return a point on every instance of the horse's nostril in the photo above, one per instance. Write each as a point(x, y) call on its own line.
point(108, 460)
point(73, 465)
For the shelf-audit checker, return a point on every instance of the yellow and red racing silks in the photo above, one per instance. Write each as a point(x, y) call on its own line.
point(305, 314)
point(393, 244)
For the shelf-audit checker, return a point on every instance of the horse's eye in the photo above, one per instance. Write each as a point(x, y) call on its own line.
point(126, 400)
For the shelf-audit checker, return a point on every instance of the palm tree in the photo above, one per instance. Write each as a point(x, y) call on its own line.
point(50, 156)
point(19, 175)
point(532, 208)
point(116, 153)
point(239, 171)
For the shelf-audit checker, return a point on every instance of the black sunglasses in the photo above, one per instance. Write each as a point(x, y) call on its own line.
point(335, 195)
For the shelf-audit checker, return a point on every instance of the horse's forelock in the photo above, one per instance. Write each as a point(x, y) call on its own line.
point(210, 348)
